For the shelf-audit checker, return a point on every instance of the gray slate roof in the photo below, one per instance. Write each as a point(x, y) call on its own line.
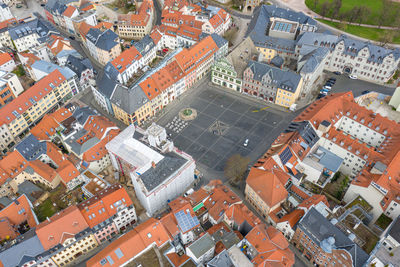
point(28, 245)
point(219, 40)
point(221, 260)
point(78, 65)
point(28, 28)
point(30, 148)
point(144, 45)
point(319, 229)
point(305, 130)
point(103, 40)
point(105, 84)
point(28, 188)
point(82, 114)
point(153, 177)
point(129, 99)
point(287, 80)
point(394, 230)
point(202, 245)
point(313, 59)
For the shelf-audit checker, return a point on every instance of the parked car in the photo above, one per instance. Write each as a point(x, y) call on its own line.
point(320, 96)
point(337, 73)
point(365, 92)
point(328, 83)
point(246, 142)
point(72, 37)
point(353, 77)
point(42, 4)
point(332, 79)
point(327, 87)
point(165, 50)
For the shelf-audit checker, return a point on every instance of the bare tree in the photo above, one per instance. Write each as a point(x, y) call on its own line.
point(364, 13)
point(316, 2)
point(235, 167)
point(325, 7)
point(387, 37)
point(336, 5)
point(386, 10)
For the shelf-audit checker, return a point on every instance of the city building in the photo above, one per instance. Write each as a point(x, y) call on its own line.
point(31, 105)
point(265, 189)
point(136, 26)
point(353, 57)
point(159, 172)
point(201, 250)
point(83, 69)
point(28, 34)
point(321, 242)
point(387, 252)
point(263, 245)
point(67, 235)
point(5, 12)
point(109, 211)
point(7, 63)
point(103, 45)
point(131, 245)
point(272, 84)
point(17, 218)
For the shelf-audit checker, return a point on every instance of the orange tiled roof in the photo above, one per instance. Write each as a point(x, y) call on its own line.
point(163, 79)
point(155, 34)
point(100, 204)
point(98, 151)
point(216, 21)
point(293, 217)
point(67, 171)
point(69, 11)
point(34, 93)
point(271, 246)
point(170, 224)
point(175, 71)
point(188, 59)
point(54, 153)
point(126, 58)
point(189, 32)
point(313, 200)
point(150, 88)
point(144, 235)
point(177, 260)
point(240, 213)
point(49, 123)
point(12, 165)
point(30, 58)
point(17, 212)
point(6, 23)
point(43, 169)
point(267, 185)
point(5, 58)
point(68, 221)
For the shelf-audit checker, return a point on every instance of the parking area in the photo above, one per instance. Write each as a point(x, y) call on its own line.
point(344, 83)
point(224, 121)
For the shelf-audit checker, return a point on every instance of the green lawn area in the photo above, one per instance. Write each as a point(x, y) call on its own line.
point(369, 33)
point(361, 202)
point(375, 7)
point(19, 71)
point(44, 210)
point(383, 221)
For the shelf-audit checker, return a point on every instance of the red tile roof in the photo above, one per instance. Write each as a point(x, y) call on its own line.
point(12, 165)
point(69, 11)
point(98, 208)
point(126, 58)
point(271, 246)
point(293, 217)
point(19, 211)
point(68, 221)
point(144, 235)
point(67, 171)
point(240, 213)
point(35, 93)
point(5, 58)
point(268, 185)
point(44, 170)
point(49, 123)
point(313, 200)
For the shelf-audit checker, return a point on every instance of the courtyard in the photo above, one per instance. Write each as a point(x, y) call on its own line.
point(224, 121)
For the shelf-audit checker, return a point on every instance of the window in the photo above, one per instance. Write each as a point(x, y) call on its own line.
point(119, 253)
point(148, 235)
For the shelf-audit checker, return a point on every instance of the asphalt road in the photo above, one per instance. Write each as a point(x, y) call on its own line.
point(344, 84)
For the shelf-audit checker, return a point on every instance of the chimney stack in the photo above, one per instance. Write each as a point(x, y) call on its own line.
point(153, 164)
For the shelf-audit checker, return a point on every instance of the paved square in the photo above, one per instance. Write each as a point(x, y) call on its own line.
point(224, 121)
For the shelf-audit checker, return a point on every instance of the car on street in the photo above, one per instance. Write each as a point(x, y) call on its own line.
point(165, 50)
point(365, 92)
point(320, 96)
point(328, 83)
point(327, 87)
point(353, 77)
point(332, 79)
point(42, 4)
point(246, 142)
point(72, 37)
point(337, 73)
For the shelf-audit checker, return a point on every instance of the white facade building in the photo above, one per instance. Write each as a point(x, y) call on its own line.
point(159, 172)
point(5, 12)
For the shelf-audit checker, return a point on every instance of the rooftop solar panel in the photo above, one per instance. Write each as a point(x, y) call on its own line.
point(285, 155)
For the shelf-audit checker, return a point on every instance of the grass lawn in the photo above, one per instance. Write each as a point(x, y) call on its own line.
point(19, 71)
point(375, 7)
point(361, 202)
point(368, 33)
point(46, 209)
point(383, 221)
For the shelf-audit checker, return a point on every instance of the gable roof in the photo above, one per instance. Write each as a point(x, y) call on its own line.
point(267, 185)
point(51, 231)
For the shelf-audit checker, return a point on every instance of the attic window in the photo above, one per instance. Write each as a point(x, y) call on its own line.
point(148, 235)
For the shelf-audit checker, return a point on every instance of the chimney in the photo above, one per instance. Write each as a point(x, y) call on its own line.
point(153, 164)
